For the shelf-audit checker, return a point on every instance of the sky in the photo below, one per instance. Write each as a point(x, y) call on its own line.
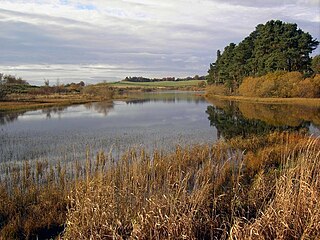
point(106, 40)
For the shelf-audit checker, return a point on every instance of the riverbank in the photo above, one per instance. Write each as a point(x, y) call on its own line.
point(92, 93)
point(269, 184)
point(296, 101)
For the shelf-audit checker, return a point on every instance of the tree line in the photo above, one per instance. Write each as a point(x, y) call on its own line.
point(270, 47)
point(144, 79)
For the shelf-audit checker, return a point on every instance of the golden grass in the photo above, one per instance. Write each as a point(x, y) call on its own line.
point(33, 200)
point(262, 187)
point(294, 211)
point(200, 192)
point(146, 197)
point(26, 101)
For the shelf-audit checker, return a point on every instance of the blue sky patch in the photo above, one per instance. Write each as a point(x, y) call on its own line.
point(85, 6)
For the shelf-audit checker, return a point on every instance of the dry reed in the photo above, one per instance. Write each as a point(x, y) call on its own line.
point(263, 187)
point(201, 192)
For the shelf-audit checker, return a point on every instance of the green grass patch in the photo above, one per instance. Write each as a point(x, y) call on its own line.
point(190, 83)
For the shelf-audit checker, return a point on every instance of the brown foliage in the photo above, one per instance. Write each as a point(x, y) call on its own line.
point(280, 84)
point(102, 91)
point(217, 90)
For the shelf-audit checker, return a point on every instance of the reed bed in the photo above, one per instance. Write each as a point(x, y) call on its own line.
point(262, 187)
point(294, 210)
point(201, 192)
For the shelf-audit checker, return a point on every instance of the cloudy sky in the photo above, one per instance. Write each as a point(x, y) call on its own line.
point(107, 40)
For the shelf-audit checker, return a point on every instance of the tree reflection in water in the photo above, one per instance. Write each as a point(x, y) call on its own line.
point(7, 117)
point(242, 119)
point(167, 97)
point(100, 107)
point(53, 110)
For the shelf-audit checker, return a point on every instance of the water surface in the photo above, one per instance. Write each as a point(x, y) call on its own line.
point(151, 120)
point(154, 121)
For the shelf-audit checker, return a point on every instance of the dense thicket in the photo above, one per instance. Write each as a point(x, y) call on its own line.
point(7, 82)
point(271, 47)
point(281, 84)
point(9, 79)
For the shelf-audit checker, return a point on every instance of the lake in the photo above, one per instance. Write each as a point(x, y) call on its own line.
point(160, 120)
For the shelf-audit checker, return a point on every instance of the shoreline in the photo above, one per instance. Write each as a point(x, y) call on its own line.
point(315, 102)
point(40, 102)
point(24, 102)
point(44, 102)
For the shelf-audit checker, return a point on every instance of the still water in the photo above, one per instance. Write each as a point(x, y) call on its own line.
point(153, 120)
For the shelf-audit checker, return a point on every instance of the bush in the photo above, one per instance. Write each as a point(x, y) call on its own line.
point(9, 79)
point(202, 84)
point(102, 91)
point(3, 92)
point(217, 90)
point(281, 84)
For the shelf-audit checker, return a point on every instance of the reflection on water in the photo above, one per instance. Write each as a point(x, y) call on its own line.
point(53, 110)
point(242, 118)
point(154, 120)
point(168, 97)
point(100, 107)
point(9, 117)
point(279, 115)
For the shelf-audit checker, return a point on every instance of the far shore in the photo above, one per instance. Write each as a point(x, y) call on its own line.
point(16, 102)
point(44, 101)
point(25, 102)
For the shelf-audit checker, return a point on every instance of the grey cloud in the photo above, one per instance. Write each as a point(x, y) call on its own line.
point(117, 47)
point(269, 3)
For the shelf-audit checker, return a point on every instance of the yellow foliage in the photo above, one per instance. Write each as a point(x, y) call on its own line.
point(281, 84)
point(249, 86)
point(217, 90)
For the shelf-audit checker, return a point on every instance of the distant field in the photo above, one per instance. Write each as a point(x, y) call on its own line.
point(156, 84)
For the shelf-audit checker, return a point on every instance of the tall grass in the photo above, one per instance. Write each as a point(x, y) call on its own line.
point(201, 192)
point(33, 200)
point(263, 187)
point(294, 210)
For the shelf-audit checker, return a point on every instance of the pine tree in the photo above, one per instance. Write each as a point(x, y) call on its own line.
point(271, 47)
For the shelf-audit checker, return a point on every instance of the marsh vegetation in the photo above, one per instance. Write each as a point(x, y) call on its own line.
point(251, 173)
point(255, 188)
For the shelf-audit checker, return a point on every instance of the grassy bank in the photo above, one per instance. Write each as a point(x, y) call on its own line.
point(26, 102)
point(92, 93)
point(263, 187)
point(50, 97)
point(159, 85)
point(296, 101)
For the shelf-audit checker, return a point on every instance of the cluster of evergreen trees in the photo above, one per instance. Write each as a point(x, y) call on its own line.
point(271, 47)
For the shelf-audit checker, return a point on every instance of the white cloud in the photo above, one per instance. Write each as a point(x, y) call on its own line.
point(155, 38)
